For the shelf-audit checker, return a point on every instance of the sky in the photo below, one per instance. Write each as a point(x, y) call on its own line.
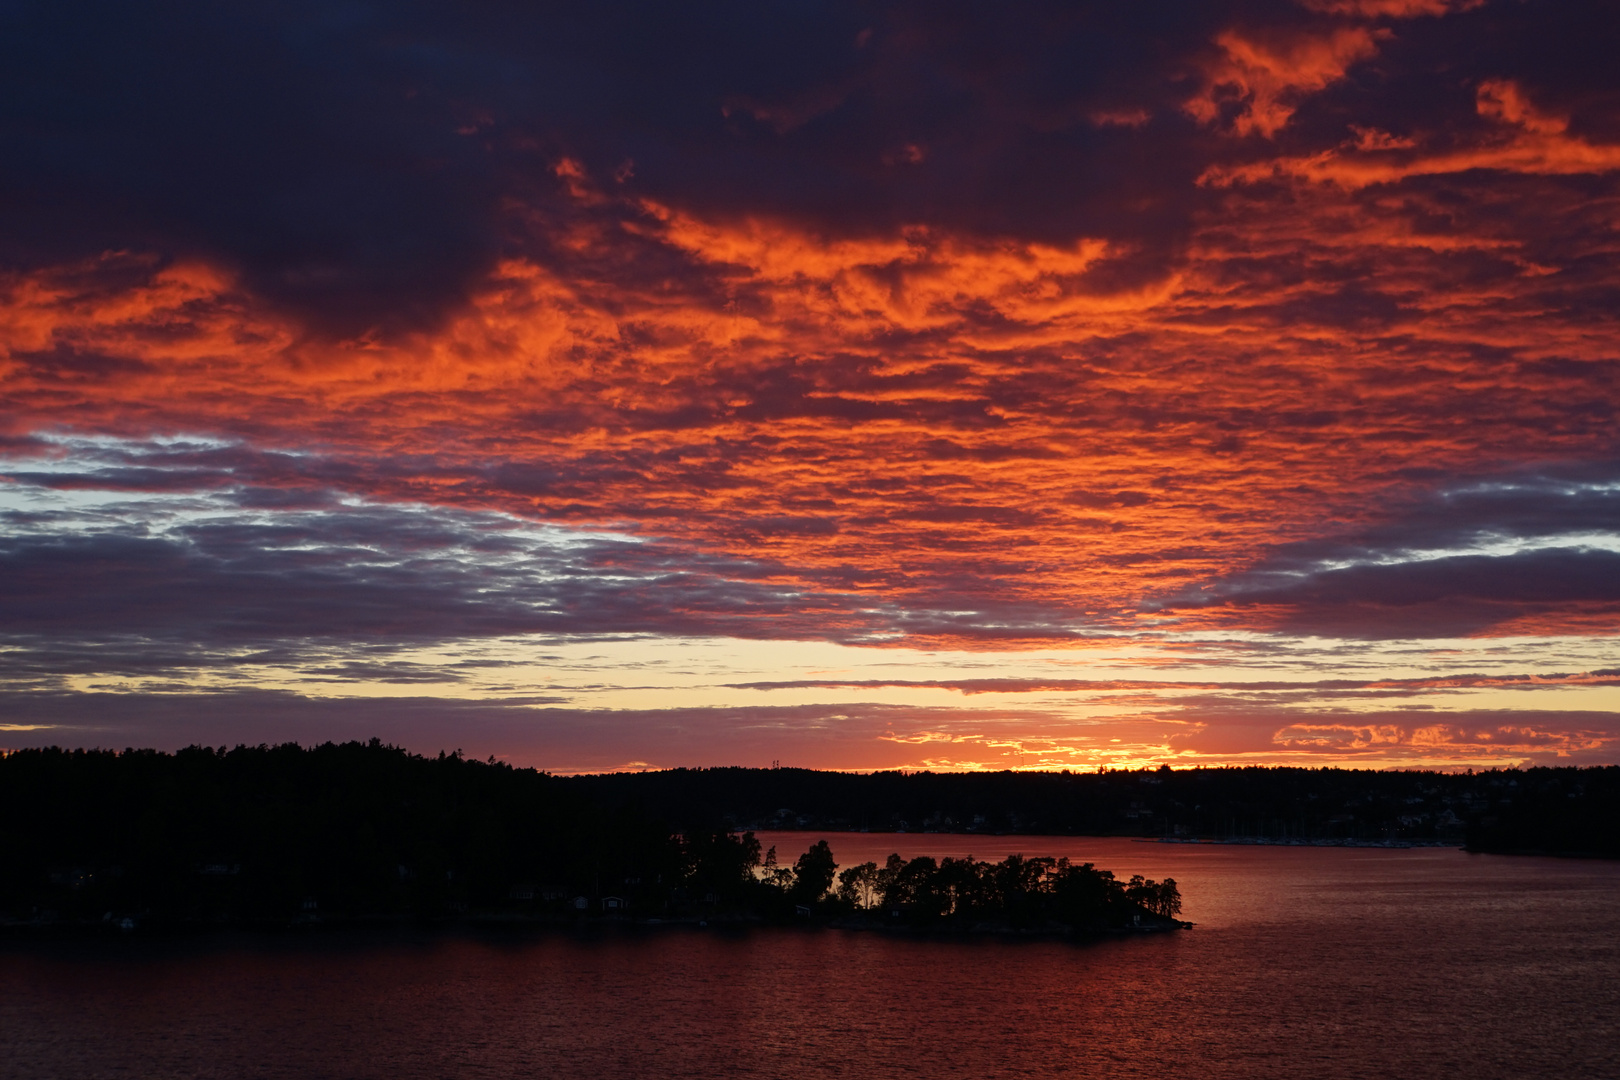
point(847, 385)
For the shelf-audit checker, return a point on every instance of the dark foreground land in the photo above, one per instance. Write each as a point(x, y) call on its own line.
point(273, 836)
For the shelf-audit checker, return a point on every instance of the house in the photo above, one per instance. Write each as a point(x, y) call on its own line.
point(614, 903)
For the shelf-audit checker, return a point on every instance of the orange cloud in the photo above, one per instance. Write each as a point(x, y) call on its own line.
point(1257, 82)
point(1528, 141)
point(910, 416)
point(1395, 9)
point(1451, 740)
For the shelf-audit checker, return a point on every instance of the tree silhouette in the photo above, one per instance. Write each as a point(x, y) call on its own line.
point(813, 874)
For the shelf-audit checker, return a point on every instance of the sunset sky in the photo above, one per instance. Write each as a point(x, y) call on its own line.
point(852, 385)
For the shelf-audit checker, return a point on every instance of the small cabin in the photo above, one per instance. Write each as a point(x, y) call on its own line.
point(614, 903)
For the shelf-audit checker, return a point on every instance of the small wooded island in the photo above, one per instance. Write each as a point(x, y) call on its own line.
point(273, 836)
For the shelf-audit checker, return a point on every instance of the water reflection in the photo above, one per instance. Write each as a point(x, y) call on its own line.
point(1305, 963)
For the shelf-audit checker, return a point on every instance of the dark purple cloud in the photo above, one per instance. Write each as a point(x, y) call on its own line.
point(359, 164)
point(360, 577)
point(272, 557)
point(1454, 562)
point(166, 582)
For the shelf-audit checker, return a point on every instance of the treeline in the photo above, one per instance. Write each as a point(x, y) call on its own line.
point(1564, 812)
point(279, 834)
point(1016, 892)
point(264, 832)
point(1569, 810)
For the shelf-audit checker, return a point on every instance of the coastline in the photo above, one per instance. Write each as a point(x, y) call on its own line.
point(146, 929)
point(1263, 841)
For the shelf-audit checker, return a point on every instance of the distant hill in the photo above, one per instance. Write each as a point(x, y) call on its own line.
point(1564, 810)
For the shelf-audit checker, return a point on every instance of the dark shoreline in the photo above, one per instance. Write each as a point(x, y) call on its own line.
point(387, 927)
point(1454, 844)
point(1544, 853)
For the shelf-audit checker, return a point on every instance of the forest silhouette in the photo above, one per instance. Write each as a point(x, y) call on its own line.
point(278, 835)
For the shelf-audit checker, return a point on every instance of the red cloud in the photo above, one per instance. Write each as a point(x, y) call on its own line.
point(1257, 81)
point(989, 435)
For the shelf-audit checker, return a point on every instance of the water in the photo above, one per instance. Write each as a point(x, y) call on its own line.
point(1304, 963)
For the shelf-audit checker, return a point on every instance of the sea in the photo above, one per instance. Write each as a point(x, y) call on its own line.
point(1303, 962)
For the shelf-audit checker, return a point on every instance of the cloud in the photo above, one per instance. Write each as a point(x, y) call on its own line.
point(1534, 737)
point(365, 170)
point(851, 736)
point(1312, 688)
point(1450, 597)
point(1498, 556)
point(404, 576)
point(138, 557)
point(1397, 9)
point(325, 334)
point(1253, 88)
point(366, 173)
point(524, 733)
point(1531, 142)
